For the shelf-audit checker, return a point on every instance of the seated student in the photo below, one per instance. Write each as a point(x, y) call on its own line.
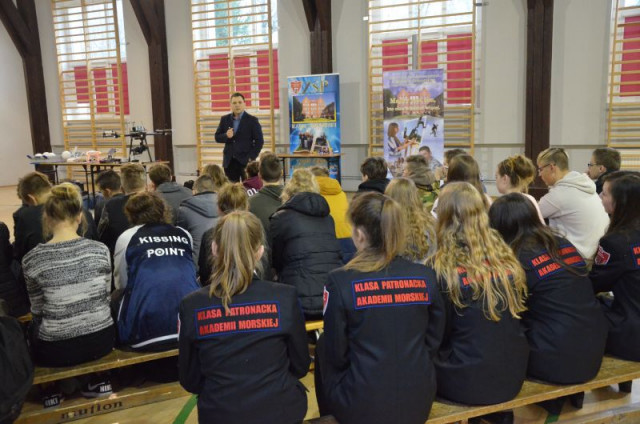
point(199, 213)
point(604, 161)
point(162, 183)
point(441, 173)
point(421, 236)
point(110, 186)
point(483, 357)
point(68, 280)
point(34, 189)
point(303, 244)
point(113, 220)
point(243, 373)
point(253, 183)
point(514, 174)
point(11, 291)
point(417, 170)
point(374, 175)
point(217, 175)
point(464, 168)
point(232, 197)
point(571, 205)
point(433, 163)
point(383, 323)
point(564, 323)
point(265, 202)
point(154, 269)
point(617, 264)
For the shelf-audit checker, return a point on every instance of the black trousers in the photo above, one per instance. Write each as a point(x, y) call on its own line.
point(235, 171)
point(65, 353)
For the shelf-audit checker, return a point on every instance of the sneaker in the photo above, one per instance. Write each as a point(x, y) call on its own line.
point(52, 400)
point(102, 388)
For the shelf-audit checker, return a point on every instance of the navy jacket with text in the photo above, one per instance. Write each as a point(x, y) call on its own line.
point(381, 332)
point(245, 364)
point(480, 361)
point(564, 323)
point(617, 268)
point(153, 263)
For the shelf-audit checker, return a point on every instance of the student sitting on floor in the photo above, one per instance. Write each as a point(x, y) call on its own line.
point(483, 357)
point(303, 244)
point(154, 269)
point(68, 280)
point(383, 323)
point(617, 264)
point(243, 344)
point(421, 236)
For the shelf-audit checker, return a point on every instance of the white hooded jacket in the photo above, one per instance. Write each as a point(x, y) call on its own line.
point(575, 210)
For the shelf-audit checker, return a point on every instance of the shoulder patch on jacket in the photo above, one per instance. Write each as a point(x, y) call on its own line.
point(635, 254)
point(602, 257)
point(325, 300)
point(242, 318)
point(384, 292)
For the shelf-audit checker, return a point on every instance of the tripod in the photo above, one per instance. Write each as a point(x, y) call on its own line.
point(138, 133)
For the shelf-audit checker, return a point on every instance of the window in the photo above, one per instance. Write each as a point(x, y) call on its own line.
point(623, 112)
point(92, 72)
point(235, 48)
point(425, 34)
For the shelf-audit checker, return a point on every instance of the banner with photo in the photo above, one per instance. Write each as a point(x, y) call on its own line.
point(314, 119)
point(413, 105)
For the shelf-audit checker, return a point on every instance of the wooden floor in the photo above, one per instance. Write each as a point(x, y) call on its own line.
point(167, 412)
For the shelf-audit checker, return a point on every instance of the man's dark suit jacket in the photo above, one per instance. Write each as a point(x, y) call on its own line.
point(245, 144)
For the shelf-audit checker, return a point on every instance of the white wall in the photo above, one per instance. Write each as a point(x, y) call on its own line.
point(578, 92)
point(15, 142)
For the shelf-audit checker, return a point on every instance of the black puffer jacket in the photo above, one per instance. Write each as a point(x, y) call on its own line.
point(10, 291)
point(305, 248)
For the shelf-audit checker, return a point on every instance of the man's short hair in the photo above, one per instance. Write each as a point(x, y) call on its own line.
point(253, 168)
point(159, 174)
point(555, 155)
point(133, 177)
point(452, 153)
point(204, 183)
point(34, 183)
point(109, 179)
point(236, 94)
point(270, 168)
point(607, 157)
point(424, 148)
point(375, 168)
point(320, 171)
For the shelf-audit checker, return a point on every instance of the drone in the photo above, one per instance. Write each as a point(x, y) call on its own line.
point(137, 133)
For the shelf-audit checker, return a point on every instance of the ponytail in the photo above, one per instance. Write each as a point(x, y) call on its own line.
point(63, 204)
point(382, 221)
point(238, 237)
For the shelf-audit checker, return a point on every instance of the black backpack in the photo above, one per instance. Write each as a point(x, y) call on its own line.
point(16, 369)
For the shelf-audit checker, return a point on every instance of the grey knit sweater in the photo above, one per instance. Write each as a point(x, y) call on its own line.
point(68, 284)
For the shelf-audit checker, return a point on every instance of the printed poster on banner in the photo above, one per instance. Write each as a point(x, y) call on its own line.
point(314, 119)
point(413, 105)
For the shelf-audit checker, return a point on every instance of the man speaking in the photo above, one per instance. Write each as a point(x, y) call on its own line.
point(241, 134)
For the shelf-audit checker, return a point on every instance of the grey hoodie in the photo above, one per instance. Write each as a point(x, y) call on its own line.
point(174, 194)
point(575, 210)
point(197, 215)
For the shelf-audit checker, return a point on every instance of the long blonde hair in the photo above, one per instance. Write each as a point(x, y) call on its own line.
point(465, 241)
point(302, 180)
point(238, 237)
point(421, 236)
point(381, 219)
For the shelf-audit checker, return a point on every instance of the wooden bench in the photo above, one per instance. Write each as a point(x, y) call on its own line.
point(612, 371)
point(118, 359)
